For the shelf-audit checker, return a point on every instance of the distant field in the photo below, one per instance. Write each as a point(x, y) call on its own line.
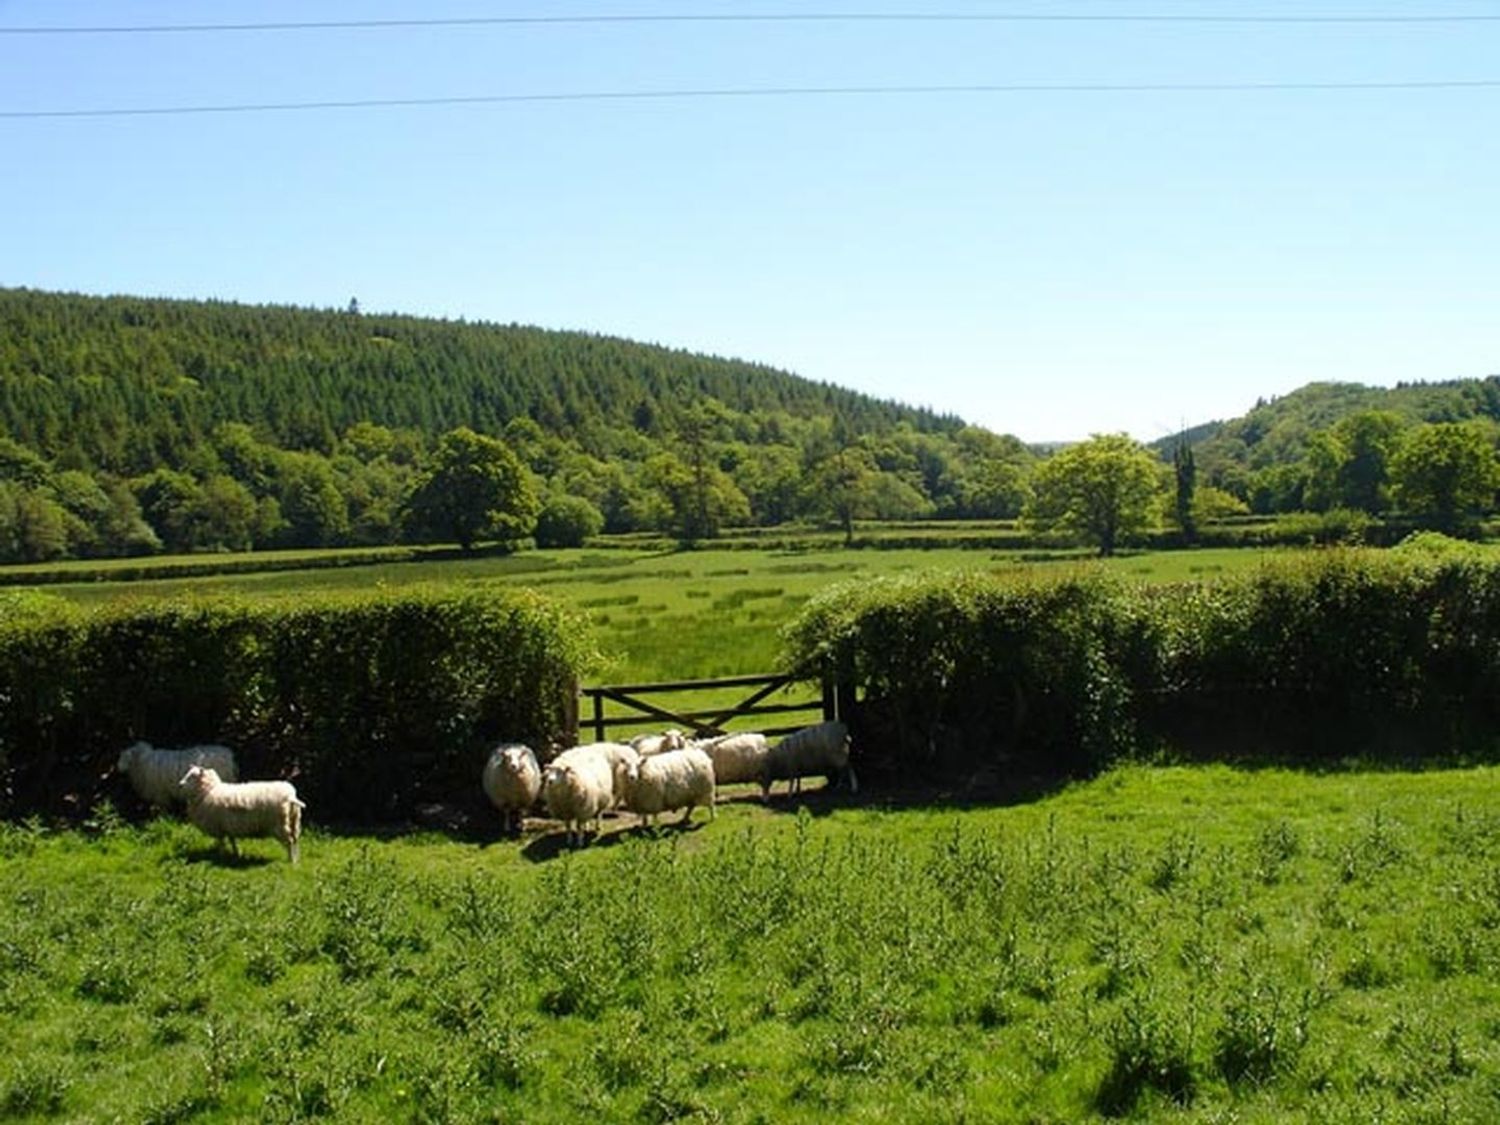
point(1194, 945)
point(671, 615)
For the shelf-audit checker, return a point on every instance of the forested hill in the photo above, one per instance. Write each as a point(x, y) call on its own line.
point(127, 384)
point(1277, 431)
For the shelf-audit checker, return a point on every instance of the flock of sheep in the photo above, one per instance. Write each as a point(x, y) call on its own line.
point(651, 774)
point(657, 773)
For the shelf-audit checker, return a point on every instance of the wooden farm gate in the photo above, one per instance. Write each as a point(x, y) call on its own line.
point(703, 723)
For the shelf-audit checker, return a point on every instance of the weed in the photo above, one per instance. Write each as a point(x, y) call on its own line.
point(1174, 863)
point(108, 979)
point(1275, 846)
point(1262, 1029)
point(36, 1089)
point(1149, 1050)
point(504, 1058)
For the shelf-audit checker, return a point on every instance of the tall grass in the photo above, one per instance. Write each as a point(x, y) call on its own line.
point(1208, 944)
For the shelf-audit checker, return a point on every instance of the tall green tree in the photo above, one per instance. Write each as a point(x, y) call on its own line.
point(474, 488)
point(1103, 489)
point(1349, 463)
point(843, 487)
point(1446, 473)
point(693, 506)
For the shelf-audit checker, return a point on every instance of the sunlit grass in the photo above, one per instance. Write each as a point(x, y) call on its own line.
point(1200, 944)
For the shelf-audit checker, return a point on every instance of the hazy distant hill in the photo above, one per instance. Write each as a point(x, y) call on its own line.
point(124, 384)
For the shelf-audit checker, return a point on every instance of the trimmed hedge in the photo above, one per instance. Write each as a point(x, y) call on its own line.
point(373, 704)
point(1316, 656)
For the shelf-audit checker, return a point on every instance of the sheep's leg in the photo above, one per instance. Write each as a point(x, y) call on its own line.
point(686, 816)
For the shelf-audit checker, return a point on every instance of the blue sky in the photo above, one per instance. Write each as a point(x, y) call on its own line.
point(1048, 263)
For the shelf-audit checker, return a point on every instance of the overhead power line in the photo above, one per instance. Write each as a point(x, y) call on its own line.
point(761, 92)
point(765, 17)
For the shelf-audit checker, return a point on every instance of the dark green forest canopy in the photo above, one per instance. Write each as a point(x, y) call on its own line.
point(128, 384)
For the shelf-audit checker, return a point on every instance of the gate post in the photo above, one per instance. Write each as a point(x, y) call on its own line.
point(598, 717)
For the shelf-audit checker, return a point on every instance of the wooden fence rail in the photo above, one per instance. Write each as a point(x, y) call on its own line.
point(701, 723)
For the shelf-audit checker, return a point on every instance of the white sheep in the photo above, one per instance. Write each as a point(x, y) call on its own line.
point(736, 757)
point(227, 811)
point(578, 786)
point(676, 779)
point(819, 749)
point(154, 773)
point(512, 781)
point(648, 744)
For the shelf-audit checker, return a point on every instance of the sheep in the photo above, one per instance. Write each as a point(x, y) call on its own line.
point(512, 781)
point(578, 786)
point(736, 757)
point(672, 780)
point(154, 773)
point(819, 749)
point(647, 744)
point(226, 811)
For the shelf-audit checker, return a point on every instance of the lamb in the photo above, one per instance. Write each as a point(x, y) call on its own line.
point(578, 786)
point(647, 744)
point(155, 772)
point(819, 749)
point(226, 811)
point(736, 757)
point(512, 781)
point(672, 780)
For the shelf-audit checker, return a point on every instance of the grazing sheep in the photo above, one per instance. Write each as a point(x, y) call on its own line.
point(672, 780)
point(736, 757)
point(578, 788)
point(154, 773)
point(227, 811)
point(820, 749)
point(648, 744)
point(512, 781)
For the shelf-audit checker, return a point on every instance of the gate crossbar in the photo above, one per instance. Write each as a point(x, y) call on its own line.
point(700, 722)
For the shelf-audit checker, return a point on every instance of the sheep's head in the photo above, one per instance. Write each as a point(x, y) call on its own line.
point(673, 739)
point(129, 755)
point(198, 779)
point(515, 757)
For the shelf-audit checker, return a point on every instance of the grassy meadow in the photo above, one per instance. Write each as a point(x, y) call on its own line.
point(1199, 944)
point(667, 614)
point(660, 614)
point(1158, 943)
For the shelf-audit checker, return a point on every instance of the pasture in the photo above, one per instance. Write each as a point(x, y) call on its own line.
point(1190, 944)
point(672, 615)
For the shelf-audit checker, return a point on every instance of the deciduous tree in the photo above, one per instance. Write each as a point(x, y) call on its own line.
point(1102, 489)
point(1445, 473)
point(474, 488)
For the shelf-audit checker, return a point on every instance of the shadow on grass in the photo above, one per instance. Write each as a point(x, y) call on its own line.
point(552, 840)
point(223, 857)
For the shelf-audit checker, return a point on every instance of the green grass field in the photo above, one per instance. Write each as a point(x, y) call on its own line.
point(672, 615)
point(1159, 943)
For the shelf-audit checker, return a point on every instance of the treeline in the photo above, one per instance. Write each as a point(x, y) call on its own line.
point(135, 426)
point(1334, 446)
